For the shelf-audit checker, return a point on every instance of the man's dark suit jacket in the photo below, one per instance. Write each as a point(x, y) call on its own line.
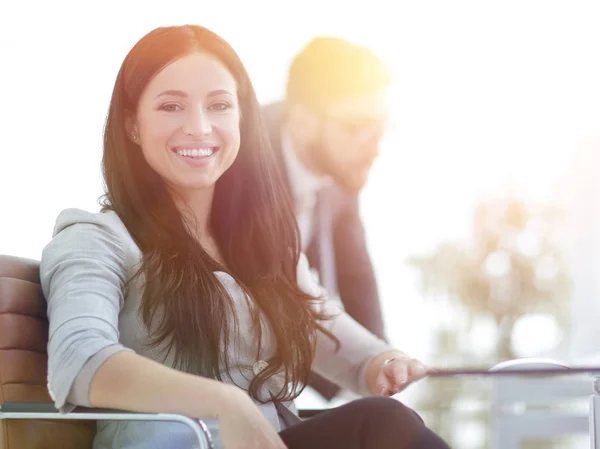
point(346, 245)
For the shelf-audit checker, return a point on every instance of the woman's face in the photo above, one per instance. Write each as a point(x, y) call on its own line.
point(188, 122)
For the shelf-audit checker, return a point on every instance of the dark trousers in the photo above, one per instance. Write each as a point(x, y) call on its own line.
point(370, 423)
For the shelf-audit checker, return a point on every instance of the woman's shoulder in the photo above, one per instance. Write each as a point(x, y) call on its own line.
point(108, 221)
point(96, 231)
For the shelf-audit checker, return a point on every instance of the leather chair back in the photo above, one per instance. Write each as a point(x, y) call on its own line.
point(24, 360)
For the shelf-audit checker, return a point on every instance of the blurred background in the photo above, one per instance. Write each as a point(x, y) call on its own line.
point(490, 249)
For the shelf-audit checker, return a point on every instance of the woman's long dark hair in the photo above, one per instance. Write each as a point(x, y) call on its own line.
point(184, 305)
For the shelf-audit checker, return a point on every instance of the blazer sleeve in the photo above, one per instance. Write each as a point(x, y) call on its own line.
point(355, 276)
point(83, 274)
point(345, 366)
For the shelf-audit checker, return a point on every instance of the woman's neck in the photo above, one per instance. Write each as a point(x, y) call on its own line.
point(195, 207)
point(197, 212)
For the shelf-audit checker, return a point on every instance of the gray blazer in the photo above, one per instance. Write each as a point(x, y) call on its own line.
point(93, 313)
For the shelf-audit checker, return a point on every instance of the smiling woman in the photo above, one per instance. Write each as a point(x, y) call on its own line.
point(188, 294)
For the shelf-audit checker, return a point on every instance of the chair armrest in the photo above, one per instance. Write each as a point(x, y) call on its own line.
point(205, 430)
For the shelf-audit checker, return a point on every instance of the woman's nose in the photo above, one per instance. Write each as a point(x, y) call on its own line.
point(198, 123)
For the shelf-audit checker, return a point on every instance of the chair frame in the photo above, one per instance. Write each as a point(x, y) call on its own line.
point(595, 416)
point(205, 430)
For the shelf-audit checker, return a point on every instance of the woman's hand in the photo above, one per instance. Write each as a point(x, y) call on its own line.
point(391, 372)
point(242, 425)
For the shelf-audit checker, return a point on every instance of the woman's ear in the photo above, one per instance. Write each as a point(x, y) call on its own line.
point(131, 128)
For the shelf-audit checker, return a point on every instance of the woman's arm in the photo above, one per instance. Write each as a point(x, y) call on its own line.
point(348, 366)
point(128, 381)
point(358, 363)
point(83, 274)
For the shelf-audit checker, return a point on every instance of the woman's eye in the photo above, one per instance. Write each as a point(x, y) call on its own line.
point(220, 106)
point(170, 107)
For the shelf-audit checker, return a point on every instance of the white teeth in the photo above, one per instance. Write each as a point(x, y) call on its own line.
point(196, 152)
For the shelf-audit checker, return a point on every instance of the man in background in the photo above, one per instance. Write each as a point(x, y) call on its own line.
point(326, 133)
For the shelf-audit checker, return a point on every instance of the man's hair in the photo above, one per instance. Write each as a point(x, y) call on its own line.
point(329, 69)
